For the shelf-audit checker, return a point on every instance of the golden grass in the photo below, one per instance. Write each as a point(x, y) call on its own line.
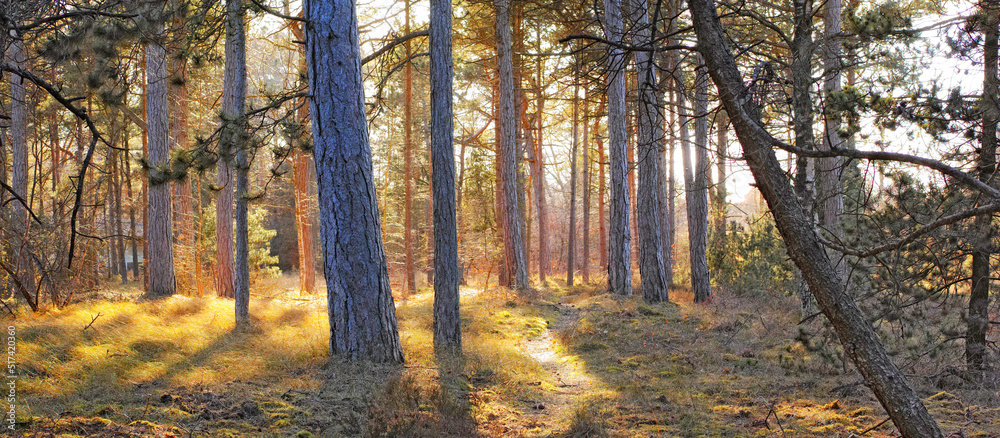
point(175, 367)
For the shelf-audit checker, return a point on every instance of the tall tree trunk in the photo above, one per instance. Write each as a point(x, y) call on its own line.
point(234, 140)
point(447, 321)
point(571, 252)
point(514, 256)
point(859, 340)
point(802, 121)
point(183, 216)
point(19, 170)
point(409, 277)
point(302, 175)
point(585, 257)
point(602, 228)
point(830, 193)
point(719, 207)
point(544, 247)
point(979, 297)
point(697, 191)
point(362, 313)
point(619, 248)
point(650, 131)
point(160, 257)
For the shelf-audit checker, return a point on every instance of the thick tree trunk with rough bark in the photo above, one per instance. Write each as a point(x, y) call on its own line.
point(650, 131)
point(619, 245)
point(160, 256)
point(514, 256)
point(697, 191)
point(447, 321)
point(976, 350)
point(859, 340)
point(360, 304)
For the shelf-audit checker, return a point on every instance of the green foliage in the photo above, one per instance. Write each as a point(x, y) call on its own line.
point(262, 263)
point(751, 259)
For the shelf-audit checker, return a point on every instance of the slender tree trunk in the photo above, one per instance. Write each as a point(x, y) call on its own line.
point(234, 92)
point(362, 313)
point(802, 122)
point(719, 209)
point(544, 247)
point(160, 257)
point(619, 250)
point(183, 217)
point(447, 321)
point(409, 277)
point(830, 170)
point(302, 175)
point(459, 216)
point(697, 192)
point(859, 340)
point(571, 252)
point(585, 257)
point(514, 256)
point(19, 169)
point(650, 131)
point(602, 228)
point(979, 297)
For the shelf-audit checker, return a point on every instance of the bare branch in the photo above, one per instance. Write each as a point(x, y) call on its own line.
point(392, 44)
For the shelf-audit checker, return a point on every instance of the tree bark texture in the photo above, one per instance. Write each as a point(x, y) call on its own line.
point(571, 251)
point(160, 255)
point(234, 140)
point(538, 182)
point(859, 340)
point(979, 298)
point(409, 276)
point(650, 131)
point(585, 257)
point(302, 174)
point(360, 304)
point(19, 169)
point(447, 321)
point(697, 192)
point(619, 240)
point(514, 256)
point(830, 168)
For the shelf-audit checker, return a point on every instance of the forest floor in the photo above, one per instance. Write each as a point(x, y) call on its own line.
point(557, 362)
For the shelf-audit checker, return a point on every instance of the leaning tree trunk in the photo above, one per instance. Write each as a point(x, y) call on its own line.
point(650, 131)
point(859, 340)
point(361, 309)
point(447, 321)
point(979, 297)
point(514, 255)
point(619, 245)
point(160, 255)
